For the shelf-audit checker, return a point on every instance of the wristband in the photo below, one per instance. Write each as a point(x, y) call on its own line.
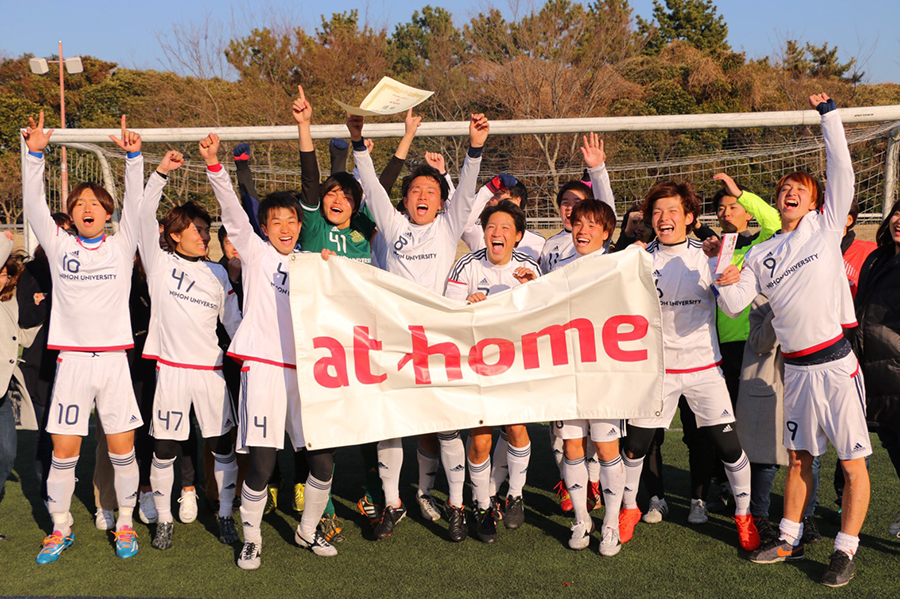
point(164, 176)
point(36, 154)
point(132, 154)
point(214, 168)
point(359, 146)
point(475, 152)
point(826, 107)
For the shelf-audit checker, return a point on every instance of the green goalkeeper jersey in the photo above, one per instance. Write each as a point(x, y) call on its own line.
point(352, 241)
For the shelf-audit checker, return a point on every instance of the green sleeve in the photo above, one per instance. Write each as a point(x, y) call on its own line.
point(768, 218)
point(363, 223)
point(311, 231)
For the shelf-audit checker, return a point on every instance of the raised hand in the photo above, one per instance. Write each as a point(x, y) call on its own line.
point(35, 137)
point(412, 123)
point(209, 149)
point(592, 150)
point(355, 126)
point(370, 145)
point(479, 127)
point(130, 140)
point(302, 109)
point(730, 186)
point(634, 219)
point(171, 161)
point(712, 246)
point(9, 235)
point(822, 103)
point(502, 181)
point(816, 99)
point(436, 160)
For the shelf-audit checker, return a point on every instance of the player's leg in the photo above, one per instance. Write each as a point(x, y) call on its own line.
point(595, 499)
point(371, 503)
point(634, 448)
point(453, 458)
point(225, 472)
point(612, 482)
point(61, 480)
point(162, 477)
point(318, 493)
point(575, 475)
point(652, 480)
point(518, 457)
point(479, 464)
point(499, 465)
point(253, 503)
point(390, 458)
point(428, 457)
point(559, 456)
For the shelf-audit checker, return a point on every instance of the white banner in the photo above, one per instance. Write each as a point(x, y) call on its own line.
point(379, 357)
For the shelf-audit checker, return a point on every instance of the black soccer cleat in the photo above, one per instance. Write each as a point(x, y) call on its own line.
point(390, 517)
point(840, 570)
point(515, 512)
point(487, 527)
point(227, 532)
point(777, 550)
point(162, 540)
point(457, 527)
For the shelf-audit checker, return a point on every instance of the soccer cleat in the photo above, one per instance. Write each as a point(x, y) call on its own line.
point(628, 519)
point(187, 509)
point(429, 508)
point(499, 506)
point(594, 496)
point(457, 527)
point(747, 533)
point(515, 512)
point(104, 520)
point(698, 513)
point(581, 535)
point(147, 510)
point(777, 550)
point(609, 542)
point(126, 542)
point(657, 510)
point(330, 528)
point(894, 528)
point(271, 500)
point(162, 540)
point(53, 545)
point(390, 517)
point(487, 526)
point(840, 570)
point(810, 531)
point(562, 493)
point(317, 544)
point(368, 509)
point(249, 558)
point(765, 530)
point(227, 532)
point(299, 497)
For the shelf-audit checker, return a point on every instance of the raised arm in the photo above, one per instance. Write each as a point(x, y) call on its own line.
point(309, 165)
point(734, 289)
point(134, 182)
point(464, 199)
point(247, 186)
point(37, 213)
point(839, 167)
point(595, 159)
point(767, 216)
point(148, 227)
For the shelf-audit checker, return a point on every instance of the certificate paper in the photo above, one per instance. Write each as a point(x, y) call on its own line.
point(388, 97)
point(729, 241)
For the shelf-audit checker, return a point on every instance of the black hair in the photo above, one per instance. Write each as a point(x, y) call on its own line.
point(721, 194)
point(278, 199)
point(222, 233)
point(883, 237)
point(346, 183)
point(430, 172)
point(574, 186)
point(520, 192)
point(854, 212)
point(517, 214)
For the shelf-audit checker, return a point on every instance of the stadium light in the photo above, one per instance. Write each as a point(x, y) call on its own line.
point(73, 66)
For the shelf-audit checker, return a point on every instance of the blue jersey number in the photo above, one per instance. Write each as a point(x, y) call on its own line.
point(168, 418)
point(180, 278)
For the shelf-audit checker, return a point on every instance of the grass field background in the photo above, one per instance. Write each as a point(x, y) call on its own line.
point(670, 559)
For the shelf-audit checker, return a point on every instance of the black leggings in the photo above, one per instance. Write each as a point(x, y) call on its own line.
point(638, 441)
point(262, 464)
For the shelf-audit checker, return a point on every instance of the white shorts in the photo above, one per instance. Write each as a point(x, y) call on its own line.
point(826, 402)
point(269, 406)
point(88, 379)
point(177, 389)
point(601, 430)
point(705, 392)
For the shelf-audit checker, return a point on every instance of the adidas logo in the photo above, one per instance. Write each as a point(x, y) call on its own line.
point(228, 421)
point(608, 492)
point(742, 495)
point(725, 413)
point(727, 429)
point(575, 487)
point(157, 493)
point(132, 496)
point(231, 486)
point(483, 282)
point(382, 466)
point(246, 524)
point(523, 471)
point(858, 447)
point(133, 419)
point(627, 490)
point(50, 499)
point(612, 432)
point(458, 468)
point(656, 273)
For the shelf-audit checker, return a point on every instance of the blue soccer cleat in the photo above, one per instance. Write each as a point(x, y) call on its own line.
point(126, 542)
point(53, 545)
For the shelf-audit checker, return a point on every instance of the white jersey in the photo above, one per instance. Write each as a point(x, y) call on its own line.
point(558, 251)
point(475, 273)
point(187, 298)
point(532, 243)
point(266, 333)
point(91, 282)
point(684, 283)
point(420, 253)
point(802, 272)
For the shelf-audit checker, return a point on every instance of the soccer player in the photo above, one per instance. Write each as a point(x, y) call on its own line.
point(692, 356)
point(264, 342)
point(91, 328)
point(421, 249)
point(497, 267)
point(801, 272)
point(189, 297)
point(531, 244)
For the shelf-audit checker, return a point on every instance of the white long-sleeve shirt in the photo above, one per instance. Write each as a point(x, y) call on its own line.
point(420, 253)
point(91, 282)
point(802, 272)
point(187, 298)
point(266, 333)
point(474, 273)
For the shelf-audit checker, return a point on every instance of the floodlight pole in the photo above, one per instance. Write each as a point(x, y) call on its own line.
point(63, 167)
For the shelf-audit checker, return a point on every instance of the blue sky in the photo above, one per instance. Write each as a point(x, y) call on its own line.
point(127, 32)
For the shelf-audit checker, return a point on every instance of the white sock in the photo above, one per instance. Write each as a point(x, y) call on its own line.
point(593, 463)
point(60, 487)
point(612, 485)
point(846, 543)
point(558, 447)
point(518, 459)
point(633, 470)
point(738, 475)
point(126, 478)
point(576, 476)
point(253, 504)
point(390, 459)
point(317, 492)
point(499, 466)
point(480, 474)
point(428, 467)
point(225, 471)
point(162, 477)
point(790, 531)
point(453, 457)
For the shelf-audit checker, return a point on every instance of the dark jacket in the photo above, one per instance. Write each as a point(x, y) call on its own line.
point(876, 341)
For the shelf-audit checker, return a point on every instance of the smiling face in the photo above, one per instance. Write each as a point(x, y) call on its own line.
point(338, 207)
point(194, 240)
point(228, 249)
point(423, 200)
point(501, 237)
point(282, 228)
point(588, 235)
point(569, 200)
point(88, 214)
point(732, 216)
point(669, 220)
point(796, 199)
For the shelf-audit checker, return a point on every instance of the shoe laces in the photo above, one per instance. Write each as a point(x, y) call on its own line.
point(561, 489)
point(249, 551)
point(126, 536)
point(53, 540)
point(185, 496)
point(839, 561)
